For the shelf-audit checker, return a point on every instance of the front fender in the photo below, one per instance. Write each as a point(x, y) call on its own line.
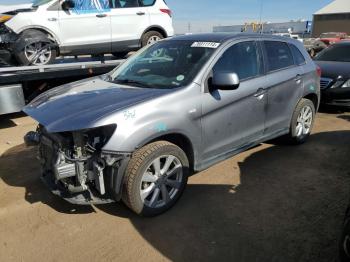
point(136, 128)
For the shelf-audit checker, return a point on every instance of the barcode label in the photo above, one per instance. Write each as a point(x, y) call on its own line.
point(205, 44)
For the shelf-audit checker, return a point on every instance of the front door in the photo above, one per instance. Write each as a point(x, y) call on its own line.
point(235, 118)
point(86, 28)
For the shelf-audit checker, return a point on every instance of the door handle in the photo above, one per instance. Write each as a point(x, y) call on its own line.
point(260, 93)
point(101, 15)
point(298, 79)
point(140, 13)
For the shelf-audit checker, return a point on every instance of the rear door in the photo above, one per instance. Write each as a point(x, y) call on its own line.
point(232, 119)
point(285, 86)
point(129, 19)
point(86, 28)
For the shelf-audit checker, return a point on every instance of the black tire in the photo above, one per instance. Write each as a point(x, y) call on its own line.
point(293, 137)
point(120, 55)
point(148, 35)
point(344, 241)
point(25, 40)
point(140, 161)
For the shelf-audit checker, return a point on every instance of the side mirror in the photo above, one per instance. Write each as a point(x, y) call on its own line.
point(225, 81)
point(68, 4)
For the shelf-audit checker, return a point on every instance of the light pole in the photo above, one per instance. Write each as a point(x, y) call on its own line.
point(260, 15)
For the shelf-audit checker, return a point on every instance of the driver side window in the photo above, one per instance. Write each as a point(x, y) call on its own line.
point(242, 59)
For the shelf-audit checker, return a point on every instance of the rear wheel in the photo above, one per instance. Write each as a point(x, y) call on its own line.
point(35, 48)
point(155, 178)
point(151, 37)
point(302, 121)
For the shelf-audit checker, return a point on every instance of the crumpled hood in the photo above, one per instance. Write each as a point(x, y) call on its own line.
point(81, 104)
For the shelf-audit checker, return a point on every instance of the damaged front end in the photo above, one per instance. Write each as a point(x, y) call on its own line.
point(7, 41)
point(75, 167)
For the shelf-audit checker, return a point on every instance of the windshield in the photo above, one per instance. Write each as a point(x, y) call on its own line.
point(40, 2)
point(336, 53)
point(166, 64)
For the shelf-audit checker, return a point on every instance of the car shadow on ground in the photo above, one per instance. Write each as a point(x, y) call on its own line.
point(6, 120)
point(289, 206)
point(19, 167)
point(333, 109)
point(345, 117)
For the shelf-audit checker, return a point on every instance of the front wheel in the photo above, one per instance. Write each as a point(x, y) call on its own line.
point(155, 178)
point(302, 121)
point(35, 48)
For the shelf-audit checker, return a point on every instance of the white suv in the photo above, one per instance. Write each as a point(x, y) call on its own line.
point(84, 27)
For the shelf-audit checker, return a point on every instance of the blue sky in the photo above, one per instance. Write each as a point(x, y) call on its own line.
point(203, 14)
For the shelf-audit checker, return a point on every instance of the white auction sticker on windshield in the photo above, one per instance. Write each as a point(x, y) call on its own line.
point(205, 44)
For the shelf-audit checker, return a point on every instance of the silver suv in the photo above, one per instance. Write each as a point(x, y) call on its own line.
point(173, 109)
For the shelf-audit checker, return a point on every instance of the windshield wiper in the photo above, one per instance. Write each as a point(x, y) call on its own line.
point(131, 82)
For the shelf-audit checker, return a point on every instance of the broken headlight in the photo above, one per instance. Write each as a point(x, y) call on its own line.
point(5, 18)
point(96, 138)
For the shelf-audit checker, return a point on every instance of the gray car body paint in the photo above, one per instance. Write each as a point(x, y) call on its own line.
point(217, 124)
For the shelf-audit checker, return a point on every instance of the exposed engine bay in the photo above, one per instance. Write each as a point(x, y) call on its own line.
point(75, 167)
point(7, 39)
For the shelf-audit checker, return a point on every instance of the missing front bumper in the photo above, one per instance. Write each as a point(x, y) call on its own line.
point(87, 197)
point(94, 178)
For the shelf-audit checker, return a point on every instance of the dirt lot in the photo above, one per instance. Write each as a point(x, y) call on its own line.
point(272, 203)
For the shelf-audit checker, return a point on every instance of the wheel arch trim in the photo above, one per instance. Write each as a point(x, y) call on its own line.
point(40, 28)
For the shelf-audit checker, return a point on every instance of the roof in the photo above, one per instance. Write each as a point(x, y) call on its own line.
point(336, 7)
point(222, 37)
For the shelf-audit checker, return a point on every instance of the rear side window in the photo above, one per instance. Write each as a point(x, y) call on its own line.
point(278, 54)
point(299, 59)
point(242, 59)
point(147, 2)
point(124, 3)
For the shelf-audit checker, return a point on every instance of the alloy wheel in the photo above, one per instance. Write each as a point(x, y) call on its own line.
point(304, 121)
point(161, 181)
point(153, 39)
point(38, 53)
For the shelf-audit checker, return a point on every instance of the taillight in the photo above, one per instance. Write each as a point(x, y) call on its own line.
point(319, 71)
point(166, 11)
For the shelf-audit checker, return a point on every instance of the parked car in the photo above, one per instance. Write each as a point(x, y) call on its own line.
point(332, 38)
point(335, 82)
point(174, 108)
point(294, 36)
point(78, 27)
point(314, 46)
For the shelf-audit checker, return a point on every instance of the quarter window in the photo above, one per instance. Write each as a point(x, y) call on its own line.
point(298, 56)
point(278, 54)
point(241, 58)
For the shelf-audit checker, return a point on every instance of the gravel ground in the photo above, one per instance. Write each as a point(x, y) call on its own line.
point(271, 203)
